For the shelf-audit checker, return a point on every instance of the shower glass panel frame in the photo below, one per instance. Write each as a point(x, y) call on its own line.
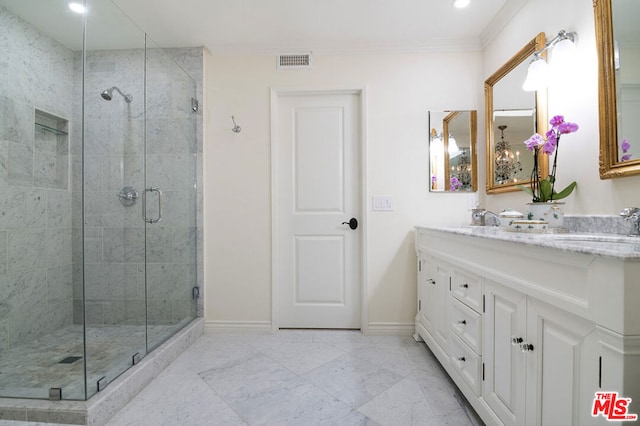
point(92, 121)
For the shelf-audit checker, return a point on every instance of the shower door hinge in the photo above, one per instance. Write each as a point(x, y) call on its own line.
point(102, 383)
point(55, 394)
point(135, 358)
point(195, 293)
point(194, 104)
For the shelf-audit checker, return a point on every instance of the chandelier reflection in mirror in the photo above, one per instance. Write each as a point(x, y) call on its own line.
point(462, 169)
point(507, 164)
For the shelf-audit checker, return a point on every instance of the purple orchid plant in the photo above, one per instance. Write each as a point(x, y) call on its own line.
point(626, 146)
point(454, 183)
point(543, 190)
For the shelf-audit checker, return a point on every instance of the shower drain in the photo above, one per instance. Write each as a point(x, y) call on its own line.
point(69, 360)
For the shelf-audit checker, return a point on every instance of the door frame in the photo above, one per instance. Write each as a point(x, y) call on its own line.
point(276, 95)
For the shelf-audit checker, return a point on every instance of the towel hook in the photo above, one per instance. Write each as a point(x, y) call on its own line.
point(236, 128)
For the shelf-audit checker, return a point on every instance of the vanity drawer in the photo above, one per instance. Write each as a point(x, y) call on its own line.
point(467, 288)
point(467, 325)
point(466, 363)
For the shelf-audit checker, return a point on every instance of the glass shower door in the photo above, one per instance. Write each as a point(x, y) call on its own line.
point(113, 237)
point(169, 196)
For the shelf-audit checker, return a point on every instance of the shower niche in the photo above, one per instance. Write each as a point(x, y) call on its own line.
point(50, 151)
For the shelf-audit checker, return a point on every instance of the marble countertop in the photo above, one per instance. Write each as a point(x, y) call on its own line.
point(607, 245)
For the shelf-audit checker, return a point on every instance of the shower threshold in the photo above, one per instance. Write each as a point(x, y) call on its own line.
point(101, 352)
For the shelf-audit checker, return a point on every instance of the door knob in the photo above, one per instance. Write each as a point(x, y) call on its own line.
point(353, 223)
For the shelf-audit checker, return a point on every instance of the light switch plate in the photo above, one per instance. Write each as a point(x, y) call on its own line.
point(382, 203)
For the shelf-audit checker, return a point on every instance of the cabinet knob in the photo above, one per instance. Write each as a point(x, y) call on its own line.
point(461, 359)
point(526, 347)
point(515, 341)
point(464, 285)
point(462, 322)
point(430, 281)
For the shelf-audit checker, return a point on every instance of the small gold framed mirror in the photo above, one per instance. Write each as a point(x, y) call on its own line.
point(511, 117)
point(617, 35)
point(452, 151)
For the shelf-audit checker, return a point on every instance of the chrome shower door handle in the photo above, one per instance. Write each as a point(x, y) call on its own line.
point(144, 205)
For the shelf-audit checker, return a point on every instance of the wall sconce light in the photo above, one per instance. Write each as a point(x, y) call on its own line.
point(437, 142)
point(436, 139)
point(538, 73)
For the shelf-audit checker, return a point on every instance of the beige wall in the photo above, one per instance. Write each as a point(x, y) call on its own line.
point(400, 89)
point(575, 95)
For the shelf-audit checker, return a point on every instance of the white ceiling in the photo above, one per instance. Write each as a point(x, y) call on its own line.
point(320, 25)
point(267, 26)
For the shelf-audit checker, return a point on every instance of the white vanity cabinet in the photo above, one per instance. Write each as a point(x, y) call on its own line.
point(530, 335)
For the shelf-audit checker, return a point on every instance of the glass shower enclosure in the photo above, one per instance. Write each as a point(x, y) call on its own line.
point(97, 197)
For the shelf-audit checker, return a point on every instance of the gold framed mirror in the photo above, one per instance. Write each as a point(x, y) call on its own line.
point(617, 35)
point(511, 117)
point(452, 151)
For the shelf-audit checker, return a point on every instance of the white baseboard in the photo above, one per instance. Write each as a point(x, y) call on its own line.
point(258, 327)
point(391, 329)
point(265, 327)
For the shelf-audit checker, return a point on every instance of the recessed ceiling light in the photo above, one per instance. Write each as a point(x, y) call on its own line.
point(460, 4)
point(77, 7)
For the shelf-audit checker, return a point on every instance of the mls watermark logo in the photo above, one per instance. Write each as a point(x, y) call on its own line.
point(612, 407)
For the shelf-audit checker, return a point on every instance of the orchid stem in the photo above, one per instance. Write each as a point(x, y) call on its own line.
point(553, 169)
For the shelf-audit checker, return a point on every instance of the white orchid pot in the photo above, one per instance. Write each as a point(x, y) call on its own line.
point(552, 213)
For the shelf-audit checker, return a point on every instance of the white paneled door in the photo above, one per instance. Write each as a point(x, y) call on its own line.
point(317, 203)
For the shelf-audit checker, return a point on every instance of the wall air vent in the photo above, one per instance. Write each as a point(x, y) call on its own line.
point(294, 60)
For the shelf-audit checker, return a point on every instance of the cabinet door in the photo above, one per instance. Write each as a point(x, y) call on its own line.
point(422, 283)
point(562, 367)
point(504, 362)
point(433, 294)
point(426, 292)
point(441, 301)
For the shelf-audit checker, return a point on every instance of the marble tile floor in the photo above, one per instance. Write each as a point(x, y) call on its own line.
point(296, 377)
point(29, 370)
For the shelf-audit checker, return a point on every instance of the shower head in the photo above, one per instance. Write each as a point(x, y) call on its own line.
point(107, 95)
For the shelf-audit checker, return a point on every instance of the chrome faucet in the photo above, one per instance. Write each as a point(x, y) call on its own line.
point(495, 217)
point(632, 214)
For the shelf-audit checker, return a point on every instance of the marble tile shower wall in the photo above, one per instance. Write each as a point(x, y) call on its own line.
point(115, 157)
point(41, 247)
point(36, 73)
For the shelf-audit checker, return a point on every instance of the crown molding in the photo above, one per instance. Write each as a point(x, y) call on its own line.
point(433, 46)
point(502, 18)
